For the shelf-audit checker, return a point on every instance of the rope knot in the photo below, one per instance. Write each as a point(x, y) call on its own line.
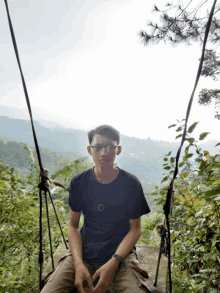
point(44, 184)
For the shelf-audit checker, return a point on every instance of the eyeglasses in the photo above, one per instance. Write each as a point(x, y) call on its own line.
point(109, 148)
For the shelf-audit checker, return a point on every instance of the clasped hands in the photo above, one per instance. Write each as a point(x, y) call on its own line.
point(105, 273)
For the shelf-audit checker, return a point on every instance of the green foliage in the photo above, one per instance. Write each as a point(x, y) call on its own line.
point(19, 222)
point(207, 96)
point(149, 234)
point(195, 218)
point(19, 233)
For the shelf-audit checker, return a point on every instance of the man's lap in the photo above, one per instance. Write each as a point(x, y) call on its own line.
point(129, 277)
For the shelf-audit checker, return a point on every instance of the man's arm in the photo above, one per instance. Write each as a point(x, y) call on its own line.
point(129, 241)
point(75, 242)
point(74, 237)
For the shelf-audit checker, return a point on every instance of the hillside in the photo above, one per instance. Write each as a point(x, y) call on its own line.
point(17, 157)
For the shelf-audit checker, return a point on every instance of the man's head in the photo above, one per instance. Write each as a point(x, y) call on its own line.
point(104, 145)
point(105, 130)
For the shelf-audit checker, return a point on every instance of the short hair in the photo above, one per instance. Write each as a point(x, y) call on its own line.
point(105, 130)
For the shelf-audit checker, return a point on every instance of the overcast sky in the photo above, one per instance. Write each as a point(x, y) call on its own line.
point(84, 66)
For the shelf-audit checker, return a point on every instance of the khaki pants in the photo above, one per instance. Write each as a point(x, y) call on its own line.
point(129, 277)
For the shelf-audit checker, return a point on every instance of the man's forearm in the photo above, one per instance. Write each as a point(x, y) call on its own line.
point(126, 245)
point(75, 243)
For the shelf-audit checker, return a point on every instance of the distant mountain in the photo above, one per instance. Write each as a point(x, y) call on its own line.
point(58, 139)
point(23, 114)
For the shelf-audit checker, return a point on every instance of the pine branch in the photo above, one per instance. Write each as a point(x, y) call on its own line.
point(179, 24)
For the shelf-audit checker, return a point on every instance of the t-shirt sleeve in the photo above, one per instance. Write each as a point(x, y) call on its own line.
point(139, 205)
point(74, 199)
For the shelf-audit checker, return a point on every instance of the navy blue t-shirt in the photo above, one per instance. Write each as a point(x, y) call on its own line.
point(107, 209)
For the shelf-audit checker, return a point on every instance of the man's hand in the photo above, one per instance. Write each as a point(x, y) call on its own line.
point(106, 275)
point(83, 278)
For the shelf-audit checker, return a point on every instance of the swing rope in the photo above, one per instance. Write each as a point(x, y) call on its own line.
point(44, 172)
point(44, 185)
point(168, 205)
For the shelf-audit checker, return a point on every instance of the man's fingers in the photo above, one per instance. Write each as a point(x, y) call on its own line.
point(99, 286)
point(95, 276)
point(79, 286)
point(90, 282)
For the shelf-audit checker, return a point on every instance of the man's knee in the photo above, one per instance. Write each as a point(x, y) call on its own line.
point(61, 280)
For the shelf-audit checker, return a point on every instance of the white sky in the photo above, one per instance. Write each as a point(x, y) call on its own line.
point(85, 66)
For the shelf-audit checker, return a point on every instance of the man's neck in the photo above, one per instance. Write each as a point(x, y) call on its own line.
point(106, 174)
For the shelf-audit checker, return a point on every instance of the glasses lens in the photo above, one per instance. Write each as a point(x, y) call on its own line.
point(109, 148)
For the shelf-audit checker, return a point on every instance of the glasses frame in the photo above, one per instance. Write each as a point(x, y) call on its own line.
point(108, 148)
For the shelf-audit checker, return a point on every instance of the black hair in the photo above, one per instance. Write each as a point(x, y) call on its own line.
point(105, 130)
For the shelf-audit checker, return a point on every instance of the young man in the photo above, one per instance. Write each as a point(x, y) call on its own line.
point(103, 254)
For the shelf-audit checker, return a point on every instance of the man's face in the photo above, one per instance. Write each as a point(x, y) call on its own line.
point(103, 150)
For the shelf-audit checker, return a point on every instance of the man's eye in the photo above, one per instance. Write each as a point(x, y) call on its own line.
point(98, 147)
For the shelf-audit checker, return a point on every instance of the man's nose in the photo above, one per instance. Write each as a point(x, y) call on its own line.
point(104, 151)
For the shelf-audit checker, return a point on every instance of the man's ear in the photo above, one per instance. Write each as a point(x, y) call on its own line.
point(89, 149)
point(119, 150)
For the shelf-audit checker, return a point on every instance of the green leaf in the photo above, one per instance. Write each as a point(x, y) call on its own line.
point(2, 160)
point(186, 149)
point(191, 140)
point(187, 157)
point(215, 191)
point(181, 164)
point(3, 167)
point(192, 127)
point(179, 129)
point(172, 159)
point(164, 179)
point(173, 125)
point(167, 168)
point(184, 175)
point(165, 159)
point(215, 145)
point(178, 136)
point(203, 135)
